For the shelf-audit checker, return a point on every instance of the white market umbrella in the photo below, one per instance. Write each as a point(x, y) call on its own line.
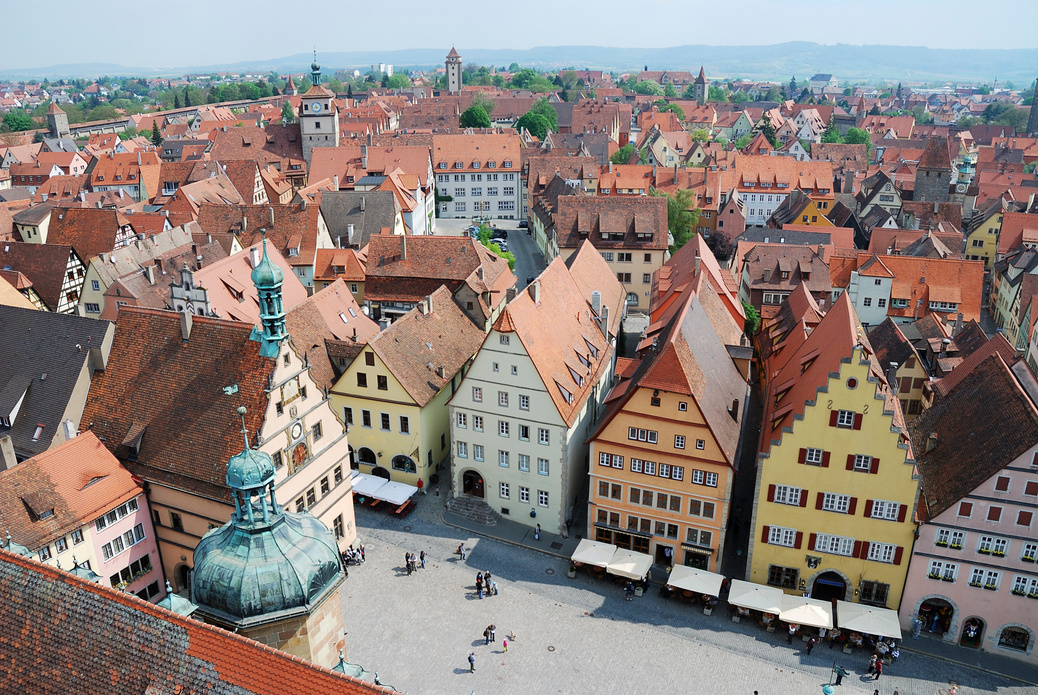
point(806, 611)
point(868, 620)
point(629, 564)
point(589, 552)
point(698, 581)
point(367, 485)
point(766, 599)
point(394, 493)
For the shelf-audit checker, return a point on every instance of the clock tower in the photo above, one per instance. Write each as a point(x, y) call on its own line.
point(318, 117)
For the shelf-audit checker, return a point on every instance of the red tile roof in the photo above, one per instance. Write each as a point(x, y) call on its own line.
point(90, 231)
point(996, 344)
point(640, 222)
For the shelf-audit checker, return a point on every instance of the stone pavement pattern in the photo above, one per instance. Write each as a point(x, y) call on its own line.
point(574, 635)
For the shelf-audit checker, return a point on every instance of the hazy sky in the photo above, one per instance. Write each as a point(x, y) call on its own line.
point(202, 32)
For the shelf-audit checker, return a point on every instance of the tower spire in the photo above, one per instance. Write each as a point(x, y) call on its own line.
point(268, 278)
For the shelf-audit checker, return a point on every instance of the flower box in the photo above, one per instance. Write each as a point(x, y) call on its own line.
point(1033, 594)
point(955, 546)
point(983, 551)
point(976, 584)
point(1019, 592)
point(948, 579)
point(934, 575)
point(1027, 559)
point(991, 587)
point(998, 553)
point(943, 544)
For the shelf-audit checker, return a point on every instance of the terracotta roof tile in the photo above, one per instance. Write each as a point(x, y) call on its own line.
point(996, 344)
point(43, 264)
point(89, 231)
point(629, 222)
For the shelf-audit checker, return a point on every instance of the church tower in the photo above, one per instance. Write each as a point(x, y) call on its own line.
point(268, 278)
point(453, 64)
point(933, 175)
point(58, 122)
point(318, 116)
point(701, 89)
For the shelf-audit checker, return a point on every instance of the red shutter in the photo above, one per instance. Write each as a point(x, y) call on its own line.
point(857, 549)
point(864, 550)
point(819, 500)
point(875, 466)
point(811, 541)
point(771, 493)
point(1031, 488)
point(825, 459)
point(803, 456)
point(857, 420)
point(850, 462)
point(799, 540)
point(897, 555)
point(902, 512)
point(853, 505)
point(833, 414)
point(803, 498)
point(764, 534)
point(1024, 518)
point(868, 508)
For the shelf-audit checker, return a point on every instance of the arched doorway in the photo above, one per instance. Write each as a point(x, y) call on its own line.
point(183, 577)
point(972, 633)
point(936, 614)
point(828, 586)
point(367, 456)
point(1016, 637)
point(380, 472)
point(472, 484)
point(404, 464)
point(354, 464)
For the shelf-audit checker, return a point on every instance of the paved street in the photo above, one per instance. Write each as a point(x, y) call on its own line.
point(574, 635)
point(528, 259)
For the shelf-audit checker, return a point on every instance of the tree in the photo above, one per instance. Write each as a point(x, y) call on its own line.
point(513, 67)
point(156, 136)
point(669, 91)
point(551, 116)
point(176, 101)
point(648, 87)
point(792, 88)
point(699, 135)
point(187, 97)
point(740, 97)
point(523, 78)
point(288, 114)
point(349, 91)
point(715, 93)
point(984, 90)
point(832, 132)
point(673, 108)
point(774, 94)
point(682, 216)
point(622, 155)
point(752, 318)
point(899, 90)
point(399, 81)
point(874, 111)
point(767, 129)
point(857, 136)
point(474, 117)
point(18, 121)
point(483, 101)
point(533, 122)
point(805, 94)
point(742, 142)
point(720, 246)
point(507, 255)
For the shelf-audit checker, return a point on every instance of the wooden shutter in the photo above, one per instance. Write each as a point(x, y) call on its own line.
point(799, 540)
point(825, 459)
point(902, 512)
point(850, 462)
point(898, 552)
point(857, 549)
point(765, 531)
point(875, 466)
point(803, 498)
point(819, 500)
point(802, 458)
point(1024, 518)
point(864, 550)
point(833, 414)
point(857, 420)
point(852, 505)
point(771, 493)
point(868, 508)
point(811, 541)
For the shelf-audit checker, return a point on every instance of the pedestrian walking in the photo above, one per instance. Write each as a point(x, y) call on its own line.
point(362, 558)
point(486, 636)
point(537, 533)
point(423, 559)
point(494, 592)
point(504, 643)
point(407, 563)
point(872, 666)
point(629, 592)
point(840, 672)
point(486, 578)
point(479, 580)
point(472, 662)
point(792, 631)
point(492, 629)
point(811, 644)
point(879, 669)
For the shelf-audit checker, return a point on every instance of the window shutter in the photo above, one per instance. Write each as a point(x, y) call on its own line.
point(853, 505)
point(825, 459)
point(765, 530)
point(857, 420)
point(811, 541)
point(902, 512)
point(897, 555)
point(832, 418)
point(799, 540)
point(803, 498)
point(819, 500)
point(1024, 518)
point(771, 493)
point(875, 466)
point(864, 550)
point(803, 456)
point(850, 462)
point(857, 549)
point(868, 508)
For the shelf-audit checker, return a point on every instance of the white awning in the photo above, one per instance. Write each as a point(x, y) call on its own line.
point(868, 620)
point(630, 564)
point(766, 599)
point(394, 493)
point(806, 611)
point(591, 552)
point(691, 579)
point(366, 485)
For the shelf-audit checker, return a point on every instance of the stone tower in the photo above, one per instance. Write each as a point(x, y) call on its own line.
point(318, 117)
point(933, 175)
point(271, 575)
point(701, 89)
point(453, 64)
point(1032, 119)
point(268, 278)
point(58, 122)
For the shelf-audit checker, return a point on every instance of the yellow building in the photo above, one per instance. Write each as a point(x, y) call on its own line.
point(982, 237)
point(663, 455)
point(836, 485)
point(393, 396)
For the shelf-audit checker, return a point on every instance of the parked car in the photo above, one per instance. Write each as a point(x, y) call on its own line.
point(523, 224)
point(498, 234)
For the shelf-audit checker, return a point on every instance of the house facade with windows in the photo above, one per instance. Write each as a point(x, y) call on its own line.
point(973, 576)
point(520, 418)
point(75, 507)
point(663, 456)
point(478, 175)
point(393, 396)
point(834, 510)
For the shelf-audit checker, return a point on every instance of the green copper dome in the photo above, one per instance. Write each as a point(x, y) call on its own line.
point(250, 468)
point(267, 274)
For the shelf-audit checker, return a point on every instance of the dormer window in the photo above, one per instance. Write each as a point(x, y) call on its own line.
point(491, 165)
point(508, 164)
point(459, 165)
point(443, 165)
point(475, 165)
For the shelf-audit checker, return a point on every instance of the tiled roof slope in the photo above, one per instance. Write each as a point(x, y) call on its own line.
point(293, 224)
point(89, 231)
point(890, 344)
point(63, 634)
point(670, 280)
point(997, 344)
point(271, 145)
point(174, 390)
point(420, 343)
point(77, 481)
point(985, 423)
point(592, 275)
point(231, 292)
point(641, 222)
point(43, 264)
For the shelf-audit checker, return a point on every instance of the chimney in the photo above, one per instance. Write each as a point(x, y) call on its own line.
point(958, 324)
point(944, 346)
point(403, 247)
point(254, 255)
point(892, 376)
point(423, 307)
point(610, 167)
point(733, 410)
point(364, 157)
point(185, 324)
point(535, 292)
point(596, 302)
point(509, 294)
point(208, 238)
point(931, 442)
point(244, 224)
point(362, 203)
point(158, 264)
point(697, 264)
point(603, 323)
point(149, 272)
point(936, 205)
point(349, 233)
point(271, 211)
point(335, 182)
point(7, 457)
point(138, 159)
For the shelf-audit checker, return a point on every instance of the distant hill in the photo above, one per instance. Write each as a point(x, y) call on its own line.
point(776, 62)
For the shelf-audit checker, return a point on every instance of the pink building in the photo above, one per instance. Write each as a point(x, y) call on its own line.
point(125, 550)
point(973, 577)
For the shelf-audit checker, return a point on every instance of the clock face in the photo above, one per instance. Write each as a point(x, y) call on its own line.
point(297, 430)
point(317, 108)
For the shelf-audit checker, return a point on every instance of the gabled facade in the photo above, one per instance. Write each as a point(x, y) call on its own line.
point(836, 491)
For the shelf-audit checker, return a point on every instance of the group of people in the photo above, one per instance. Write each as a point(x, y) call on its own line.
point(352, 556)
point(489, 635)
point(412, 561)
point(485, 583)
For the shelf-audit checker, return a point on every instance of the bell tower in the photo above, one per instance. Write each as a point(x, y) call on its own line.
point(268, 278)
point(453, 64)
point(318, 116)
